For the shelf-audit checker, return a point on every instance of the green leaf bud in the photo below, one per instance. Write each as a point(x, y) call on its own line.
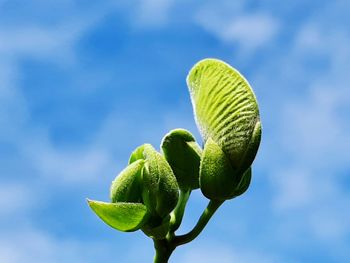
point(127, 186)
point(183, 154)
point(217, 176)
point(160, 189)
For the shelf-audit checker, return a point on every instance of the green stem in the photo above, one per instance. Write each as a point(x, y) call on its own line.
point(165, 247)
point(202, 222)
point(163, 250)
point(178, 213)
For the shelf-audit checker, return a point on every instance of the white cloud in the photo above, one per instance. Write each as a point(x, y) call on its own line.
point(249, 31)
point(22, 241)
point(153, 13)
point(69, 166)
point(31, 40)
point(313, 135)
point(37, 151)
point(295, 189)
point(214, 251)
point(33, 246)
point(309, 37)
point(312, 129)
point(32, 142)
point(311, 203)
point(331, 224)
point(13, 110)
point(52, 43)
point(16, 199)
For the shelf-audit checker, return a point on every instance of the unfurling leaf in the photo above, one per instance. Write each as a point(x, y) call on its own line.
point(137, 154)
point(226, 110)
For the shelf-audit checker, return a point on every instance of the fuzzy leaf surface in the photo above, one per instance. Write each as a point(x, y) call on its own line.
point(160, 189)
point(127, 187)
point(183, 154)
point(125, 217)
point(218, 180)
point(226, 110)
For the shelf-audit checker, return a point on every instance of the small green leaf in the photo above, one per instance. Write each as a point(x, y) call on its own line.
point(127, 187)
point(218, 180)
point(160, 189)
point(125, 217)
point(226, 110)
point(137, 154)
point(183, 154)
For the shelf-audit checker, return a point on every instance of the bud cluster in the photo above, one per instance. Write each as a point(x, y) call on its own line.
point(150, 194)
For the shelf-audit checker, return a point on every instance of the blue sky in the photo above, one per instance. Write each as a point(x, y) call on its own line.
point(82, 83)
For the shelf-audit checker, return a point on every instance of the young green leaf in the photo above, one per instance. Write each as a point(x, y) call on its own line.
point(218, 180)
point(226, 110)
point(125, 217)
point(137, 154)
point(127, 186)
point(183, 154)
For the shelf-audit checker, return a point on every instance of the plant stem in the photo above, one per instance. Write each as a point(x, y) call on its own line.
point(165, 247)
point(202, 222)
point(178, 213)
point(163, 250)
